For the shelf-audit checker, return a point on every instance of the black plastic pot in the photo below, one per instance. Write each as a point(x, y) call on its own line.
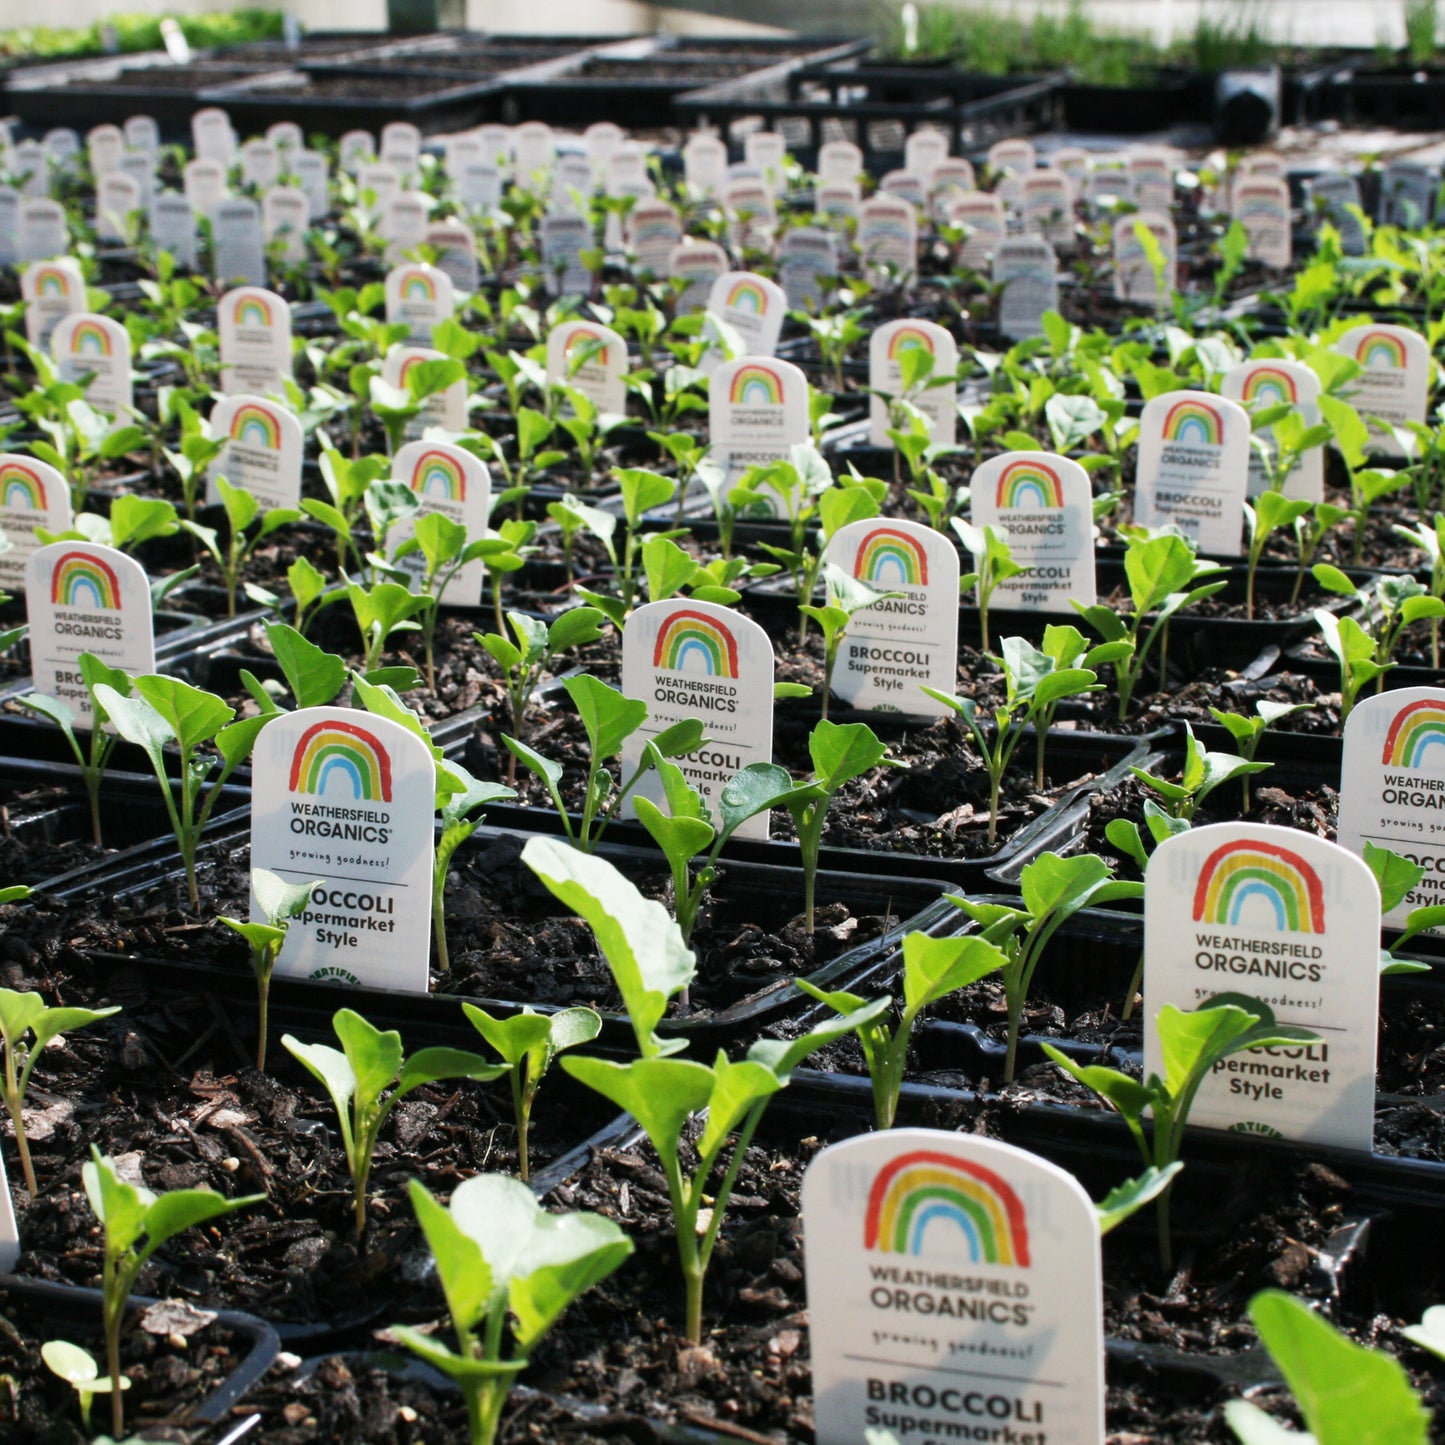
point(1403, 96)
point(1155, 100)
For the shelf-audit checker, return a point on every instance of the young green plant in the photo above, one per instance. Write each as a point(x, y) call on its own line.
point(1203, 773)
point(846, 596)
point(460, 797)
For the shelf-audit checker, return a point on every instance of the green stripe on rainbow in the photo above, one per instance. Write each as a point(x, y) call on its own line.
point(1247, 872)
point(80, 580)
point(1194, 421)
point(927, 1190)
point(755, 385)
point(1029, 485)
point(256, 426)
point(343, 754)
point(21, 488)
point(1382, 349)
point(688, 637)
point(1271, 385)
point(89, 337)
point(887, 557)
point(1415, 730)
point(438, 475)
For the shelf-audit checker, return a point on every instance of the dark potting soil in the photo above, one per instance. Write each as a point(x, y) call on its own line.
point(44, 832)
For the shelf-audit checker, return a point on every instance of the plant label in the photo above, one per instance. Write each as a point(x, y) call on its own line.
point(1015, 155)
point(1047, 202)
point(62, 145)
point(456, 246)
point(313, 175)
point(1074, 162)
point(982, 218)
point(699, 263)
point(141, 167)
point(285, 215)
point(839, 160)
point(1394, 381)
point(1261, 206)
point(382, 180)
point(572, 184)
point(42, 232)
point(592, 358)
point(752, 214)
point(117, 199)
point(923, 152)
point(400, 143)
point(986, 1324)
point(464, 149)
point(418, 297)
point(1134, 275)
point(51, 290)
point(949, 179)
point(1328, 197)
point(902, 644)
point(262, 454)
point(86, 345)
point(212, 137)
point(807, 257)
point(564, 239)
point(402, 224)
point(33, 497)
point(173, 227)
point(533, 149)
point(1151, 179)
point(1045, 504)
point(260, 165)
point(446, 409)
point(450, 480)
point(1409, 195)
point(906, 186)
point(9, 1230)
point(104, 144)
point(1257, 385)
point(1285, 917)
point(238, 242)
point(837, 202)
point(1107, 183)
point(347, 798)
point(496, 142)
point(652, 229)
point(601, 138)
point(255, 332)
point(688, 659)
point(204, 182)
point(82, 597)
point(9, 226)
point(1193, 468)
point(937, 400)
point(354, 149)
point(750, 305)
point(767, 150)
point(1027, 273)
point(705, 164)
point(626, 173)
point(478, 185)
point(1392, 785)
point(286, 136)
point(31, 166)
point(757, 412)
point(888, 236)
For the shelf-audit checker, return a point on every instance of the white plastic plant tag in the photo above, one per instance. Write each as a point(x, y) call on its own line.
point(85, 344)
point(260, 165)
point(313, 176)
point(1016, 155)
point(688, 659)
point(51, 289)
point(923, 152)
point(117, 199)
point(255, 332)
point(1287, 918)
point(1328, 197)
point(400, 141)
point(239, 247)
point(955, 1292)
point(1259, 385)
point(837, 202)
point(533, 150)
point(1392, 786)
point(33, 497)
point(382, 181)
point(348, 799)
point(402, 224)
point(204, 182)
point(753, 307)
point(752, 214)
point(418, 297)
point(1107, 182)
point(907, 186)
point(601, 138)
point(564, 239)
point(286, 136)
point(1193, 468)
point(140, 166)
point(902, 644)
point(478, 185)
point(1151, 179)
point(807, 258)
point(572, 185)
point(839, 160)
point(1261, 206)
point(767, 150)
point(173, 227)
point(626, 173)
point(104, 144)
point(982, 217)
point(699, 263)
point(285, 216)
point(653, 230)
point(592, 358)
point(263, 450)
point(757, 412)
point(9, 226)
point(41, 231)
point(705, 164)
point(1134, 275)
point(1045, 504)
point(1047, 201)
point(82, 597)
point(948, 180)
point(450, 480)
point(9, 1230)
point(1409, 195)
point(355, 148)
point(62, 145)
point(456, 246)
point(496, 142)
point(1074, 162)
point(31, 168)
point(1394, 383)
point(937, 400)
point(1026, 271)
point(212, 136)
point(888, 237)
point(446, 409)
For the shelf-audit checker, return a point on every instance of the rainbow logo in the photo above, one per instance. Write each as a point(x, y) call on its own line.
point(252, 309)
point(342, 750)
point(89, 337)
point(909, 338)
point(438, 475)
point(748, 295)
point(581, 337)
point(1416, 730)
point(256, 426)
point(418, 286)
point(415, 359)
point(1196, 422)
point(21, 488)
point(1380, 348)
point(1270, 386)
point(926, 1188)
point(887, 556)
point(80, 580)
point(1237, 873)
point(1030, 486)
point(693, 634)
point(52, 281)
point(755, 385)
